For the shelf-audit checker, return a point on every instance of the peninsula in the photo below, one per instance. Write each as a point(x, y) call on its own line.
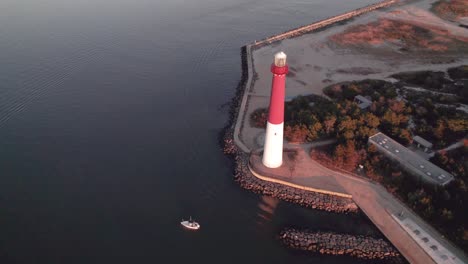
point(392, 75)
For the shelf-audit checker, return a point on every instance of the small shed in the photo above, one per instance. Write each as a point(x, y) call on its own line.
point(422, 143)
point(363, 102)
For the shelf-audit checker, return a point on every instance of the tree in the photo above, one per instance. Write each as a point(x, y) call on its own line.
point(396, 106)
point(439, 129)
point(314, 131)
point(351, 159)
point(371, 120)
point(457, 125)
point(465, 234)
point(348, 134)
point(441, 159)
point(447, 215)
point(372, 149)
point(405, 136)
point(296, 133)
point(391, 118)
point(347, 124)
point(374, 106)
point(339, 155)
point(329, 124)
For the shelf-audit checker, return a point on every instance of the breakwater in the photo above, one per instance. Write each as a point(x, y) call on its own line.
point(362, 247)
point(308, 199)
point(248, 73)
point(323, 23)
point(239, 152)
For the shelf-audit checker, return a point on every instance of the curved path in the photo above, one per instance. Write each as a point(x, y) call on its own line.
point(385, 211)
point(382, 208)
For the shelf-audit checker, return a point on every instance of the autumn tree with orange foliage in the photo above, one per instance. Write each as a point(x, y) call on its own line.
point(296, 133)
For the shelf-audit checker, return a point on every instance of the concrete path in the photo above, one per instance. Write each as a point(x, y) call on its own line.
point(294, 170)
point(381, 207)
point(314, 64)
point(452, 147)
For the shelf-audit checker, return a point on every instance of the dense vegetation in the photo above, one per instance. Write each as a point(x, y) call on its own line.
point(451, 90)
point(458, 73)
point(441, 125)
point(435, 115)
point(444, 208)
point(312, 117)
point(426, 79)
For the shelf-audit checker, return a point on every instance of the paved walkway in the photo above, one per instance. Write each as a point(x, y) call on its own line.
point(381, 207)
point(295, 171)
point(313, 65)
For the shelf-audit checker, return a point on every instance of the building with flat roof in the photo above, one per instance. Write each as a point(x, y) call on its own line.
point(362, 101)
point(410, 161)
point(422, 143)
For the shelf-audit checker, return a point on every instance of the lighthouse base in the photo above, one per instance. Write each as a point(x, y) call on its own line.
point(273, 148)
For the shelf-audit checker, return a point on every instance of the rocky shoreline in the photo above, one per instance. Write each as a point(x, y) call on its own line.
point(362, 247)
point(308, 199)
point(341, 244)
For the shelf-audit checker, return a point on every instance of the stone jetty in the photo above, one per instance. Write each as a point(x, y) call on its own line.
point(324, 23)
point(362, 247)
point(308, 199)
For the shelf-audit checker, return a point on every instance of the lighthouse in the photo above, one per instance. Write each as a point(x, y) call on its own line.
point(273, 147)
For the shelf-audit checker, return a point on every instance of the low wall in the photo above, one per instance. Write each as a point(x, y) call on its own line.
point(305, 188)
point(306, 198)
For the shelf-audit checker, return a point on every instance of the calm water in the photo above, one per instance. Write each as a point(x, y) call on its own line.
point(109, 116)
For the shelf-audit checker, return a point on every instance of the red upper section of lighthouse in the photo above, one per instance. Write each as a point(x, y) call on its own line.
point(276, 111)
point(279, 70)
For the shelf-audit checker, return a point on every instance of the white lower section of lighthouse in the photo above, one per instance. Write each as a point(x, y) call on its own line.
point(273, 149)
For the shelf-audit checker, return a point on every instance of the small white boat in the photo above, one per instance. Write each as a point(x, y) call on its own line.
point(190, 224)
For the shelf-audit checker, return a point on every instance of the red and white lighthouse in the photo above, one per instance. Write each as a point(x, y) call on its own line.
point(273, 148)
